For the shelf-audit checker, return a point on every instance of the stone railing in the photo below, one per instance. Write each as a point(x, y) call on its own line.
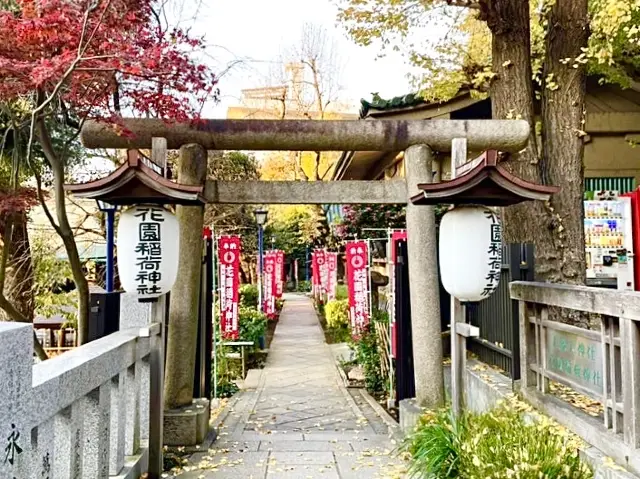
point(89, 413)
point(603, 365)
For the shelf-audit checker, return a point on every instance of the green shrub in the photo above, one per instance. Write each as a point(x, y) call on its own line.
point(249, 296)
point(342, 292)
point(381, 316)
point(368, 356)
point(304, 287)
point(337, 313)
point(497, 444)
point(253, 325)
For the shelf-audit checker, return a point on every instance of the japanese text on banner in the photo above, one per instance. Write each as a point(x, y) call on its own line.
point(229, 258)
point(279, 274)
point(270, 261)
point(358, 285)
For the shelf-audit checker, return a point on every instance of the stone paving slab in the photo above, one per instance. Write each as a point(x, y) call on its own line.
point(300, 421)
point(307, 446)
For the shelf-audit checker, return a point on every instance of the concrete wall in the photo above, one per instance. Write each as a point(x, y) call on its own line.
point(611, 156)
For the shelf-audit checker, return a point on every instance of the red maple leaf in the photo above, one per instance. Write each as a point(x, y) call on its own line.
point(109, 45)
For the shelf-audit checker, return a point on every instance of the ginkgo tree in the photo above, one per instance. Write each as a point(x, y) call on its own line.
point(69, 61)
point(529, 56)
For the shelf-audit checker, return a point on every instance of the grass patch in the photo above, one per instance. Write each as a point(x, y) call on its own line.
point(497, 444)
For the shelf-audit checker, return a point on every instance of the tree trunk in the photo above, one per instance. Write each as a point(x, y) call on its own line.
point(316, 166)
point(563, 117)
point(17, 273)
point(19, 270)
point(512, 97)
point(63, 228)
point(298, 162)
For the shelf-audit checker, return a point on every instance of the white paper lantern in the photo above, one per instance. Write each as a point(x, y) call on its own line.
point(470, 252)
point(148, 242)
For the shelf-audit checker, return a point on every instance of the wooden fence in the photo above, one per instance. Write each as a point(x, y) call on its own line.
point(603, 365)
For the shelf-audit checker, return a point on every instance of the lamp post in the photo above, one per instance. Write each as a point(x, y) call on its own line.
point(261, 219)
point(110, 212)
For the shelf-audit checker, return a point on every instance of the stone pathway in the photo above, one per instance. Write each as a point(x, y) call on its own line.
point(300, 422)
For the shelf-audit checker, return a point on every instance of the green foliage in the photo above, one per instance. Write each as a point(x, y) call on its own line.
point(463, 59)
point(253, 325)
point(498, 444)
point(249, 296)
point(342, 292)
point(357, 217)
point(303, 287)
point(227, 372)
point(436, 447)
point(51, 275)
point(367, 355)
point(232, 219)
point(293, 228)
point(337, 313)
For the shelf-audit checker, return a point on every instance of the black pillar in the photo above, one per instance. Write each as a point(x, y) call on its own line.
point(405, 381)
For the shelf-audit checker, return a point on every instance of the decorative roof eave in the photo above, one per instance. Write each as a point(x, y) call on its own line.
point(488, 184)
point(134, 182)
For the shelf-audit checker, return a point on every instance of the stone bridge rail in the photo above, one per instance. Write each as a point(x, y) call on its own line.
point(83, 414)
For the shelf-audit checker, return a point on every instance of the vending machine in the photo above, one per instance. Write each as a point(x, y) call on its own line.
point(609, 240)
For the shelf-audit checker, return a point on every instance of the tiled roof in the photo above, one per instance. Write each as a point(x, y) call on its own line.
point(378, 103)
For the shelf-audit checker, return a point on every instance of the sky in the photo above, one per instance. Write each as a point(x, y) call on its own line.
point(255, 32)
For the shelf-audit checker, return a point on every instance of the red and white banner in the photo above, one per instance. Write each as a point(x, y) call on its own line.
point(332, 274)
point(270, 260)
point(315, 274)
point(279, 273)
point(358, 285)
point(229, 259)
point(320, 273)
point(396, 236)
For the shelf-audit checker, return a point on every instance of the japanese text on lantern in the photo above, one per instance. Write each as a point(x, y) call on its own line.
point(357, 282)
point(149, 250)
point(229, 257)
point(495, 254)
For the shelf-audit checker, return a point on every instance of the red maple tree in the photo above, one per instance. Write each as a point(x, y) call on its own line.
point(101, 58)
point(77, 59)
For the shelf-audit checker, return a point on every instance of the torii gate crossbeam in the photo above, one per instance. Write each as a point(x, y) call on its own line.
point(312, 135)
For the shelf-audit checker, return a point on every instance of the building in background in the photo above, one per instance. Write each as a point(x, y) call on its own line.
point(612, 127)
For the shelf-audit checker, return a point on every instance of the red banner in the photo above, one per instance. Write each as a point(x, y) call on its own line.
point(396, 236)
point(315, 274)
point(358, 285)
point(320, 272)
point(229, 259)
point(279, 273)
point(332, 274)
point(270, 260)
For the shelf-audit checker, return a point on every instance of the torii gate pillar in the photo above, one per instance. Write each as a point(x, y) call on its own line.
point(424, 286)
point(325, 135)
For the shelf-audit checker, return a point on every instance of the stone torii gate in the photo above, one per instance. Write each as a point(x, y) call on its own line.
point(419, 138)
